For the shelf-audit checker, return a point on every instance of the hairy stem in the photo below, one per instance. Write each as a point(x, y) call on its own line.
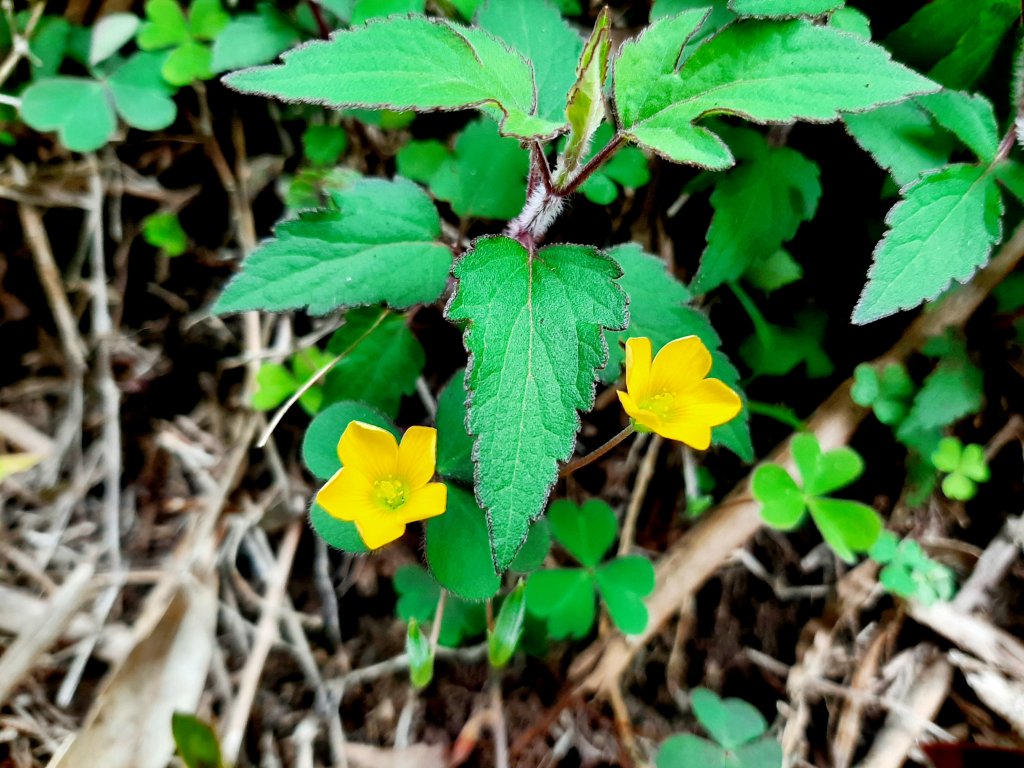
point(594, 455)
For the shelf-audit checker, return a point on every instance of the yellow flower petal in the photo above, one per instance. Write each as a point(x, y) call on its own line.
point(380, 529)
point(417, 455)
point(641, 416)
point(428, 501)
point(693, 434)
point(348, 495)
point(368, 449)
point(714, 401)
point(679, 365)
point(638, 366)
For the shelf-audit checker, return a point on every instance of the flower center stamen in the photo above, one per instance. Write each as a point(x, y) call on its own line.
point(391, 492)
point(659, 404)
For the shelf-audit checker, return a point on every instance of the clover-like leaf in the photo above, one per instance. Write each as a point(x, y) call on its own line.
point(946, 457)
point(623, 583)
point(731, 722)
point(782, 502)
point(253, 38)
point(78, 108)
point(339, 534)
point(535, 548)
point(320, 443)
point(587, 531)
point(565, 598)
point(847, 526)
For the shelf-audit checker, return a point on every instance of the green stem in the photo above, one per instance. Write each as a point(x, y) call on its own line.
point(762, 328)
point(780, 413)
point(593, 456)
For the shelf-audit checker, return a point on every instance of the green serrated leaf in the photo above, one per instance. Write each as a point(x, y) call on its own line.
point(565, 598)
point(971, 118)
point(762, 71)
point(196, 741)
point(758, 206)
point(953, 390)
point(902, 138)
point(320, 443)
point(730, 722)
point(848, 526)
point(537, 31)
point(485, 176)
point(250, 39)
point(407, 63)
point(78, 108)
point(141, 95)
point(941, 231)
point(783, 8)
point(536, 340)
point(379, 246)
point(454, 445)
point(851, 20)
point(623, 583)
point(587, 531)
point(782, 502)
point(458, 549)
point(382, 363)
point(340, 534)
point(365, 10)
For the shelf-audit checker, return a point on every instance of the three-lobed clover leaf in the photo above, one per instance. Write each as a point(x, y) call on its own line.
point(564, 597)
point(84, 110)
point(166, 28)
point(888, 393)
point(738, 733)
point(965, 466)
point(847, 526)
point(908, 572)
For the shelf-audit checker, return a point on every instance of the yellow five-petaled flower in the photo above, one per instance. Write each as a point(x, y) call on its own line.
point(382, 486)
point(671, 395)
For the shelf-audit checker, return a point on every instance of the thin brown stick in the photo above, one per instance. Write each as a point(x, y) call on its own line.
point(643, 480)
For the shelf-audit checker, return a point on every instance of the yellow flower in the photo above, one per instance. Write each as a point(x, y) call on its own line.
point(382, 486)
point(671, 396)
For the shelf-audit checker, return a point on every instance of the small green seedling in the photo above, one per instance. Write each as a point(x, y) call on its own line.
point(166, 28)
point(276, 382)
point(421, 656)
point(418, 594)
point(847, 526)
point(889, 393)
point(738, 730)
point(565, 596)
point(197, 742)
point(163, 231)
point(965, 466)
point(503, 640)
point(909, 572)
